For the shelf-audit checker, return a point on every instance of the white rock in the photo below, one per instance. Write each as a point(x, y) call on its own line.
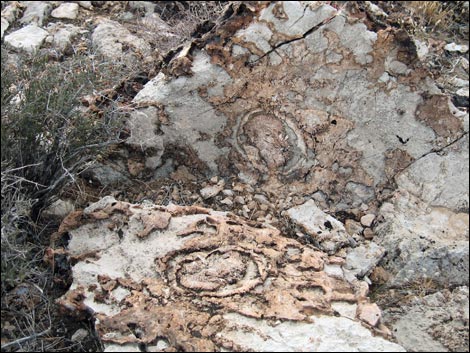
point(422, 49)
point(362, 259)
point(63, 34)
point(86, 4)
point(458, 82)
point(79, 335)
point(110, 37)
point(290, 336)
point(28, 38)
point(59, 209)
point(36, 12)
point(367, 220)
point(227, 201)
point(228, 192)
point(328, 231)
point(240, 200)
point(4, 26)
point(261, 199)
point(67, 10)
point(210, 191)
point(10, 13)
point(463, 92)
point(456, 47)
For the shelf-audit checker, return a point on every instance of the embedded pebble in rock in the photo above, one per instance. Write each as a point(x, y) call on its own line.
point(214, 272)
point(67, 10)
point(367, 220)
point(28, 38)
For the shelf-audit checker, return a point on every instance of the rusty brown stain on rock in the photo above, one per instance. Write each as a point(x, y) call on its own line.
point(154, 221)
point(435, 113)
point(396, 161)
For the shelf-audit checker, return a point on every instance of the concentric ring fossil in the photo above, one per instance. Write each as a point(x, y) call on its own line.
point(270, 142)
point(221, 272)
point(197, 277)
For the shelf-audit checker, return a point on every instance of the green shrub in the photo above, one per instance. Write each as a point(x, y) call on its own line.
point(46, 137)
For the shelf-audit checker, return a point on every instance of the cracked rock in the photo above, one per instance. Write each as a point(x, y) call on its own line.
point(224, 279)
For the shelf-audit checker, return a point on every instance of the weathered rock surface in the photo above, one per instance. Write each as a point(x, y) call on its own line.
point(112, 40)
point(36, 12)
point(62, 35)
point(146, 271)
point(286, 101)
point(433, 323)
point(363, 259)
point(424, 242)
point(67, 10)
point(28, 38)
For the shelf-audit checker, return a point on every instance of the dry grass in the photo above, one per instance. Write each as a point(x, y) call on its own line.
point(439, 15)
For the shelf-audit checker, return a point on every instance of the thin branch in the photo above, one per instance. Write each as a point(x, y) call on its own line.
point(24, 339)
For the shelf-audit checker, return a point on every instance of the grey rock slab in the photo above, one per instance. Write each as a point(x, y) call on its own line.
point(349, 336)
point(111, 39)
point(36, 12)
point(148, 6)
point(323, 228)
point(67, 10)
point(362, 259)
point(423, 242)
point(28, 38)
point(189, 114)
point(63, 34)
point(441, 179)
point(432, 323)
point(106, 175)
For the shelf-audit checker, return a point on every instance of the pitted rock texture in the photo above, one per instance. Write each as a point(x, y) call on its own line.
point(200, 280)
